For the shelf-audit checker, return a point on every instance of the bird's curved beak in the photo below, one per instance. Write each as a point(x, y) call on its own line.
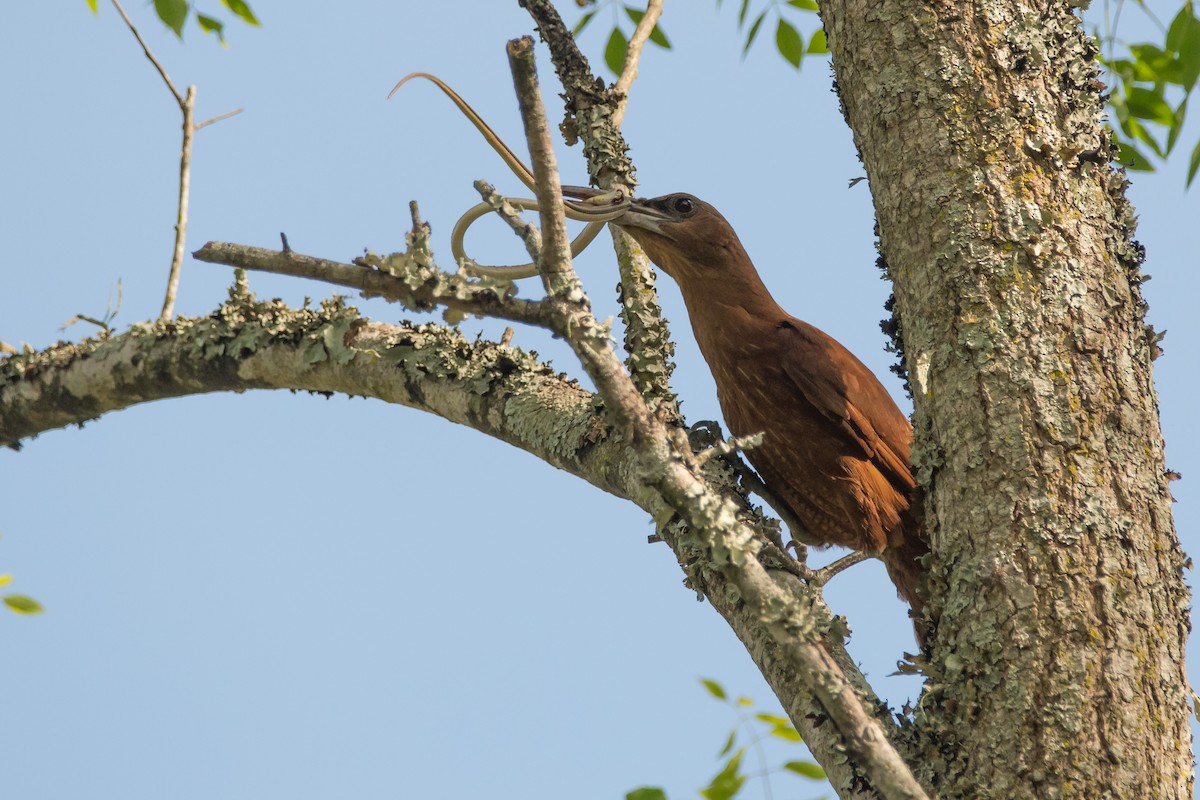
point(641, 215)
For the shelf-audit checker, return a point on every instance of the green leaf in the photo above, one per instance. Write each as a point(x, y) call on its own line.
point(1175, 31)
point(786, 733)
point(1139, 132)
point(583, 23)
point(781, 727)
point(22, 604)
point(173, 13)
point(714, 688)
point(817, 45)
point(728, 744)
point(772, 719)
point(614, 51)
point(210, 25)
point(728, 782)
point(92, 5)
point(803, 5)
point(806, 768)
point(789, 42)
point(656, 35)
point(240, 8)
point(744, 701)
point(1193, 164)
point(647, 793)
point(1152, 57)
point(1149, 105)
point(1183, 38)
point(1176, 125)
point(5, 579)
point(742, 13)
point(758, 21)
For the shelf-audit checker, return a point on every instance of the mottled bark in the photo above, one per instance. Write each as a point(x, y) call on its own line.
point(245, 344)
point(1058, 668)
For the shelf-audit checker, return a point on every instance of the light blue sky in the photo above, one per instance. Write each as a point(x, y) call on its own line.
point(271, 595)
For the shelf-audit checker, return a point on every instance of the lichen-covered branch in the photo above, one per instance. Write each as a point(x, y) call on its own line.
point(246, 344)
point(554, 265)
point(397, 277)
point(589, 104)
point(591, 110)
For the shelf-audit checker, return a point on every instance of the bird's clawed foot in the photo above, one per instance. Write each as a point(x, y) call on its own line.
point(822, 576)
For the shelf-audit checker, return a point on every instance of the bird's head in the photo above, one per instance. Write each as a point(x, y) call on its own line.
point(683, 235)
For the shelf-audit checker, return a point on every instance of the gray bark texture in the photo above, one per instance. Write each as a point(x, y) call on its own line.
point(1056, 583)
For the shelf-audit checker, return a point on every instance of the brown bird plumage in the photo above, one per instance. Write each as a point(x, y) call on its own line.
point(835, 446)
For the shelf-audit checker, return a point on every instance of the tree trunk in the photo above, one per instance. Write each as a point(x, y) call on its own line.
point(1056, 586)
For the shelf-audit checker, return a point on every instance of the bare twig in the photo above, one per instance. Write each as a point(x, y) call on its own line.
point(633, 55)
point(555, 264)
point(181, 217)
point(218, 118)
point(146, 49)
point(187, 105)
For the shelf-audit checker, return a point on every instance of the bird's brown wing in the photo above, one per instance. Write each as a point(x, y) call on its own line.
point(848, 394)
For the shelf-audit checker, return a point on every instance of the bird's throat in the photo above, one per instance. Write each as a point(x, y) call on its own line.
point(729, 311)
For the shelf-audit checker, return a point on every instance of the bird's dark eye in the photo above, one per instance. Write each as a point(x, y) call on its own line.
point(683, 205)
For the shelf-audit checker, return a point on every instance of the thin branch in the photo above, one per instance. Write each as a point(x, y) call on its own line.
point(574, 320)
point(146, 49)
point(633, 55)
point(219, 117)
point(181, 216)
point(558, 275)
point(187, 104)
point(420, 290)
point(530, 235)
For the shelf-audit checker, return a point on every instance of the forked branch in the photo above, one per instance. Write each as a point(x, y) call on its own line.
point(187, 106)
